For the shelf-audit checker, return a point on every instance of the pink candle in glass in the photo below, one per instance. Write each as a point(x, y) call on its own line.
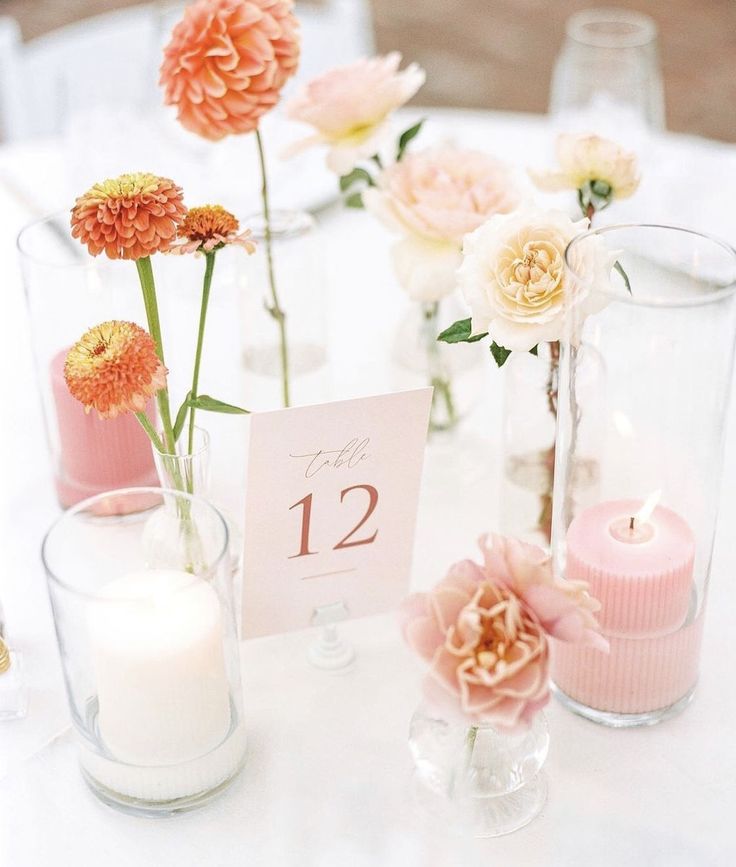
point(639, 566)
point(638, 560)
point(96, 455)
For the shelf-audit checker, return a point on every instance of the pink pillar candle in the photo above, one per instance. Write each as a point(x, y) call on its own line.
point(642, 575)
point(96, 455)
point(638, 675)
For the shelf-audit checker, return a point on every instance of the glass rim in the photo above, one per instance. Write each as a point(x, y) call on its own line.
point(74, 510)
point(643, 28)
point(198, 450)
point(82, 262)
point(709, 298)
point(295, 223)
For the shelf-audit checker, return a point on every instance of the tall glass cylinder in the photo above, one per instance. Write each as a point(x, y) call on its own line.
point(142, 595)
point(665, 335)
point(285, 359)
point(67, 291)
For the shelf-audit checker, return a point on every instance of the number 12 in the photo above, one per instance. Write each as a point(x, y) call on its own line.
point(346, 541)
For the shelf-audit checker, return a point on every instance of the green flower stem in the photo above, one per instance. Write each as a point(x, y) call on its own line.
point(209, 268)
point(150, 430)
point(438, 379)
point(275, 308)
point(148, 286)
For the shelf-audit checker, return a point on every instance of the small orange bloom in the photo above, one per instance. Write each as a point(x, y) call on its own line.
point(227, 62)
point(114, 369)
point(208, 228)
point(129, 217)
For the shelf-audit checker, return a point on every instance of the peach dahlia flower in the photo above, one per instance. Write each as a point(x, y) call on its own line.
point(349, 107)
point(434, 198)
point(209, 227)
point(227, 62)
point(128, 217)
point(114, 369)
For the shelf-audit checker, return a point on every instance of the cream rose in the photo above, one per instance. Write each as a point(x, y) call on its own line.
point(585, 159)
point(514, 280)
point(350, 107)
point(434, 198)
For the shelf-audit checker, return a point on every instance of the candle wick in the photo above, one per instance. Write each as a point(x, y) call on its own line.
point(631, 523)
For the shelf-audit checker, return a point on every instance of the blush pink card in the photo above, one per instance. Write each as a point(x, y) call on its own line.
point(331, 504)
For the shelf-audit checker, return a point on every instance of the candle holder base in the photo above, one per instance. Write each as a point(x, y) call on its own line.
point(623, 720)
point(330, 652)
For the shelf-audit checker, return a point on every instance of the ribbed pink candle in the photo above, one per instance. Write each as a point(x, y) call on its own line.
point(639, 675)
point(96, 455)
point(643, 578)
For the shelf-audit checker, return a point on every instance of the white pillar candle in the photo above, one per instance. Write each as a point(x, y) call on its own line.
point(157, 647)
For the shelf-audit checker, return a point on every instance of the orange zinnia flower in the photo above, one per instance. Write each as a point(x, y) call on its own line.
point(227, 62)
point(114, 369)
point(129, 217)
point(208, 228)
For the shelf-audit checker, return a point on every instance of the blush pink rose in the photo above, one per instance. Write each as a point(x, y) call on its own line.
point(488, 654)
point(433, 198)
point(350, 107)
point(227, 62)
point(484, 630)
point(564, 608)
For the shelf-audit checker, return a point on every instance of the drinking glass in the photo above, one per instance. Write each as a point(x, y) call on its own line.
point(607, 73)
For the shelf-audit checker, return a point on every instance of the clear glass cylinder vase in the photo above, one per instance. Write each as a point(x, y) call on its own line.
point(645, 544)
point(145, 619)
point(284, 314)
point(478, 780)
point(67, 291)
point(419, 359)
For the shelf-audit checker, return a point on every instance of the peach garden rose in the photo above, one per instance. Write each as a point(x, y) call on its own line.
point(433, 198)
point(484, 631)
point(514, 279)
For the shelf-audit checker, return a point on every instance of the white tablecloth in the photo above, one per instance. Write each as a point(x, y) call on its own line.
point(328, 776)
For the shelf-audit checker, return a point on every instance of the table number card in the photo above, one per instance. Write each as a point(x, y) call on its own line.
point(331, 504)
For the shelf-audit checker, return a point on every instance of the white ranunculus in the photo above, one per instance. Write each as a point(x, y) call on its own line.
point(514, 279)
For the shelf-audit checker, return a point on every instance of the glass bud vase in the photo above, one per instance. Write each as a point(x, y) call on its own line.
point(529, 431)
point(187, 471)
point(284, 343)
point(645, 543)
point(419, 359)
point(148, 642)
point(476, 779)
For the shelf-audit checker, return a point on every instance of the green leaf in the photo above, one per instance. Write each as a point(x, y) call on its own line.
point(211, 404)
point(617, 266)
point(357, 174)
point(355, 200)
point(500, 354)
point(534, 350)
point(461, 332)
point(181, 417)
point(406, 137)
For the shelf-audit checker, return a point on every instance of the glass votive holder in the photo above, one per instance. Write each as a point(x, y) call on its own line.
point(143, 603)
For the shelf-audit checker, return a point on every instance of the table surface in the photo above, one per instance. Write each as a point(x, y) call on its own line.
point(328, 775)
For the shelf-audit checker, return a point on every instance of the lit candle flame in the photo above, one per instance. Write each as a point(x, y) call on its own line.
point(646, 510)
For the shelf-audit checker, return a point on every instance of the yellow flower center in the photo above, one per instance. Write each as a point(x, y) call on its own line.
point(125, 186)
